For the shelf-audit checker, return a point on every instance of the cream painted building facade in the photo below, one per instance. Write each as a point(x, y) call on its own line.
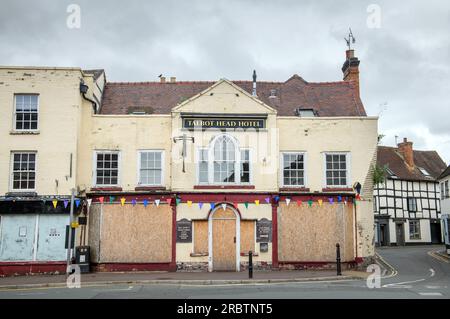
point(194, 175)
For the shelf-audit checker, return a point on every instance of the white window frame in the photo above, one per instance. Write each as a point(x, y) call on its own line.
point(11, 172)
point(419, 232)
point(197, 164)
point(139, 166)
point(15, 129)
point(348, 169)
point(281, 174)
point(446, 189)
point(94, 168)
point(250, 166)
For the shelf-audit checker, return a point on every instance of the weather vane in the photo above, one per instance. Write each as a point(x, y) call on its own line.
point(350, 39)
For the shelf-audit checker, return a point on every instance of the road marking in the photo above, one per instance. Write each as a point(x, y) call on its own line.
point(433, 254)
point(393, 270)
point(432, 272)
point(401, 283)
point(430, 294)
point(433, 287)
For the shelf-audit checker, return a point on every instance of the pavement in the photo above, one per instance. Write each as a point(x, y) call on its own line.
point(195, 278)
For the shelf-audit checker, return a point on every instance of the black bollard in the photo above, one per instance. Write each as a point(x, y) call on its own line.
point(338, 259)
point(250, 264)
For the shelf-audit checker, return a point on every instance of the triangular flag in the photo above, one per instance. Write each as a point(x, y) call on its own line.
point(122, 201)
point(299, 203)
point(178, 200)
point(257, 202)
point(145, 202)
point(224, 206)
point(66, 203)
point(55, 202)
point(345, 202)
point(288, 200)
point(212, 205)
point(200, 205)
point(157, 201)
point(339, 198)
point(331, 200)
point(189, 202)
point(358, 196)
point(77, 202)
point(267, 199)
point(235, 204)
point(169, 201)
point(101, 199)
point(320, 202)
point(310, 202)
point(111, 199)
point(246, 204)
point(89, 201)
point(277, 198)
point(133, 202)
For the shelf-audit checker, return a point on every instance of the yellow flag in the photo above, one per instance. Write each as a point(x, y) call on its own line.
point(257, 202)
point(122, 201)
point(320, 202)
point(189, 202)
point(55, 202)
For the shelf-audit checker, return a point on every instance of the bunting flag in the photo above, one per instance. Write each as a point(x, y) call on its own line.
point(89, 202)
point(111, 199)
point(77, 202)
point(224, 206)
point(189, 203)
point(200, 205)
point(122, 201)
point(177, 200)
point(101, 199)
point(310, 202)
point(212, 205)
point(320, 201)
point(66, 203)
point(169, 201)
point(331, 200)
point(145, 202)
point(133, 202)
point(55, 202)
point(235, 204)
point(267, 199)
point(345, 201)
point(157, 201)
point(288, 200)
point(277, 199)
point(257, 202)
point(339, 198)
point(299, 203)
point(246, 205)
point(358, 197)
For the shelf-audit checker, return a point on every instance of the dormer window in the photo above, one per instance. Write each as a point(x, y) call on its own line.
point(273, 93)
point(390, 172)
point(424, 171)
point(305, 112)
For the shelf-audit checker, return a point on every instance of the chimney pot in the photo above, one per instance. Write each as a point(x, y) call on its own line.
point(351, 68)
point(162, 79)
point(173, 79)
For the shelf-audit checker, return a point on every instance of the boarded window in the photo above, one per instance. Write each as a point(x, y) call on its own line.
point(200, 236)
point(247, 236)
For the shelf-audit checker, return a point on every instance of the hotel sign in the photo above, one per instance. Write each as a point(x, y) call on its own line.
point(223, 123)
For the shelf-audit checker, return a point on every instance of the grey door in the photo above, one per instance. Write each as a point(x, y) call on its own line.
point(400, 234)
point(435, 233)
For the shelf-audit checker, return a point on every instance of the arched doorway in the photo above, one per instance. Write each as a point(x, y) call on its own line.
point(224, 239)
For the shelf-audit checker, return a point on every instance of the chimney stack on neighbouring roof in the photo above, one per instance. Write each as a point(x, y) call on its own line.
point(173, 79)
point(162, 79)
point(254, 83)
point(351, 68)
point(406, 149)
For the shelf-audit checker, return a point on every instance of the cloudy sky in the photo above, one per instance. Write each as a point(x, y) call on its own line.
point(404, 48)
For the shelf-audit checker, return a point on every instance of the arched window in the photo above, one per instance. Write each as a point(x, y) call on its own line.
point(224, 162)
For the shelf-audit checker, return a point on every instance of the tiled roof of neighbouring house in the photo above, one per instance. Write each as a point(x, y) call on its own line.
point(445, 173)
point(326, 98)
point(429, 160)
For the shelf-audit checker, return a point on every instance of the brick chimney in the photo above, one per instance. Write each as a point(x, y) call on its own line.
point(351, 68)
point(406, 150)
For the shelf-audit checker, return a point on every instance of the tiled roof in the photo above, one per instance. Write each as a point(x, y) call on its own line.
point(327, 98)
point(445, 173)
point(429, 160)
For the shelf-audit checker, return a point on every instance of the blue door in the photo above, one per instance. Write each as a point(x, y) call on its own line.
point(17, 236)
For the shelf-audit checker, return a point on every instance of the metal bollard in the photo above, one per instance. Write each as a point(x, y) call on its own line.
point(250, 264)
point(338, 259)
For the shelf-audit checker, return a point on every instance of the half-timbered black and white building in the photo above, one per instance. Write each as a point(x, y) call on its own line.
point(407, 204)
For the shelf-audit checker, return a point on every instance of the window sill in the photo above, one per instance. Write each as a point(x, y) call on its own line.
point(106, 189)
point(150, 188)
point(224, 186)
point(294, 189)
point(13, 132)
point(337, 189)
point(199, 254)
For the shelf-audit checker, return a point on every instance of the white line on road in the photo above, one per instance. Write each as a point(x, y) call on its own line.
point(432, 272)
point(401, 283)
point(430, 294)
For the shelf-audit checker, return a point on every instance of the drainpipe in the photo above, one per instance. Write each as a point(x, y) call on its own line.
point(83, 90)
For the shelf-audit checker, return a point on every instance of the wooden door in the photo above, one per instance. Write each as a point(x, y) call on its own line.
point(224, 240)
point(400, 232)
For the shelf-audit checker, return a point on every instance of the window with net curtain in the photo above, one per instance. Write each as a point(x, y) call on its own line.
point(224, 163)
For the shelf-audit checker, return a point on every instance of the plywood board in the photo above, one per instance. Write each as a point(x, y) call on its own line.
point(200, 236)
point(136, 234)
point(247, 236)
point(224, 246)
